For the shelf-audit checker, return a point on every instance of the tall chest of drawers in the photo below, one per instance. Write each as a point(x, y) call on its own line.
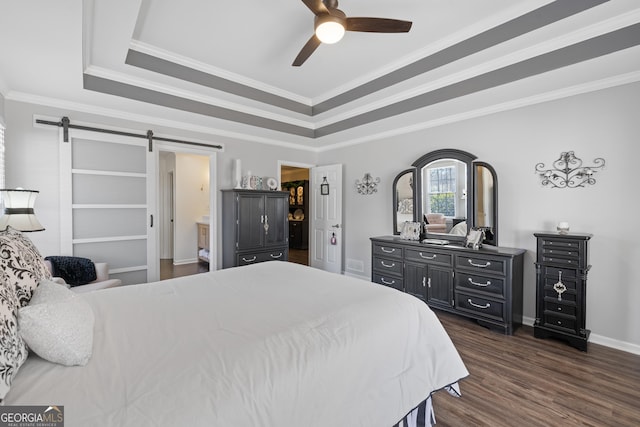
point(562, 265)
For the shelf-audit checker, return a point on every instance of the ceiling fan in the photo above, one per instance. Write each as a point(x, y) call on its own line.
point(331, 23)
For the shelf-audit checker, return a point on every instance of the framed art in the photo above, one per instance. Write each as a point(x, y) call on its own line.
point(324, 187)
point(474, 238)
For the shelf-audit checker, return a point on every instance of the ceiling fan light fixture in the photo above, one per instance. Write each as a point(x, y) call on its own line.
point(329, 29)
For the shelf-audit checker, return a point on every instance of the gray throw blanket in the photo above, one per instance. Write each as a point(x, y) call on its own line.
point(75, 271)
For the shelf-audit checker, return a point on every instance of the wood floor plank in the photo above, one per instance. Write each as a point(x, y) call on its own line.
point(523, 381)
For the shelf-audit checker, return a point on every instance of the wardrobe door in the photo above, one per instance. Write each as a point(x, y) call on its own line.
point(104, 202)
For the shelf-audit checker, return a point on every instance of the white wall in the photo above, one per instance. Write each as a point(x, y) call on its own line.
point(191, 202)
point(598, 124)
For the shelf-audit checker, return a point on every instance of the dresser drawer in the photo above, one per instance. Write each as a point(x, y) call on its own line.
point(493, 265)
point(254, 257)
point(556, 272)
point(568, 282)
point(553, 305)
point(388, 265)
point(391, 281)
point(426, 255)
point(485, 307)
point(561, 252)
point(560, 321)
point(557, 243)
point(480, 283)
point(387, 251)
point(570, 262)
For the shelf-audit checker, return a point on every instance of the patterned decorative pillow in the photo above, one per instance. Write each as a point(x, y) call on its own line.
point(13, 351)
point(21, 264)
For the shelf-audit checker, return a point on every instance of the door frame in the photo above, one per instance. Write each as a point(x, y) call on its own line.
point(154, 201)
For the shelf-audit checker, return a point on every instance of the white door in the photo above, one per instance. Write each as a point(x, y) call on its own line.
point(326, 219)
point(105, 212)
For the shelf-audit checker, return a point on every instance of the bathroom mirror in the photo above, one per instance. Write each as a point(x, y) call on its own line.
point(451, 192)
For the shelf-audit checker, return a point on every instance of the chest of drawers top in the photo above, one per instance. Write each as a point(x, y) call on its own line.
point(563, 250)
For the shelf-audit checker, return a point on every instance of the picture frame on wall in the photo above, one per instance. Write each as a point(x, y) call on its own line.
point(324, 187)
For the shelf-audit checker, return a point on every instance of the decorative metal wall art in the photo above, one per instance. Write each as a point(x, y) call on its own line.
point(569, 172)
point(367, 185)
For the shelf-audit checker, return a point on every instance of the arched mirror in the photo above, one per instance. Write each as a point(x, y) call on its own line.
point(452, 192)
point(485, 201)
point(403, 199)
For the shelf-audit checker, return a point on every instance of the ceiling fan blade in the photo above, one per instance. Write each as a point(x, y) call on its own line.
point(307, 50)
point(316, 6)
point(378, 25)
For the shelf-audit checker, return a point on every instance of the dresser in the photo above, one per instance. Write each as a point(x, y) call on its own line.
point(255, 227)
point(562, 264)
point(484, 284)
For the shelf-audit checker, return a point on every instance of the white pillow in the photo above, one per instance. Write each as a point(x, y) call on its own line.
point(57, 325)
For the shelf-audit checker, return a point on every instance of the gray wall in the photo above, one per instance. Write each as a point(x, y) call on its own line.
point(598, 124)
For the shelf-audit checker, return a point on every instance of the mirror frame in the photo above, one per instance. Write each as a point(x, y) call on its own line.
point(489, 240)
point(446, 153)
point(394, 195)
point(471, 162)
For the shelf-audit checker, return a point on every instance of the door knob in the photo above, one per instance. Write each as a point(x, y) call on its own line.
point(336, 226)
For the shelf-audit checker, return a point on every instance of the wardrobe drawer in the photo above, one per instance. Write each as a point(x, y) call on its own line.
point(488, 308)
point(493, 265)
point(429, 256)
point(254, 257)
point(480, 283)
point(391, 281)
point(387, 265)
point(387, 251)
point(556, 272)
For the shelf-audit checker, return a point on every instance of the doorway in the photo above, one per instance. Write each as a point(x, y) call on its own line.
point(294, 178)
point(184, 202)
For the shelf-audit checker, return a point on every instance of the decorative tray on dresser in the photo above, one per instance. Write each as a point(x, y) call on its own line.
point(483, 284)
point(562, 265)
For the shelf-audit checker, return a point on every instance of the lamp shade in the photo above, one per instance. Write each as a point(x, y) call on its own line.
point(329, 28)
point(18, 210)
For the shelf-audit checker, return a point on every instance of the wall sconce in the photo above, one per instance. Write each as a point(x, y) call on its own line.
point(568, 172)
point(324, 187)
point(18, 210)
point(368, 185)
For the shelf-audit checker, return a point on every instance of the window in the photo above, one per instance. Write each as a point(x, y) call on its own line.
point(442, 190)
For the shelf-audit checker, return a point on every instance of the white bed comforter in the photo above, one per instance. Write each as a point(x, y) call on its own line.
point(272, 344)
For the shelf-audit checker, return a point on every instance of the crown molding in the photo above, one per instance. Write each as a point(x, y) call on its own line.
point(147, 120)
point(215, 71)
point(181, 93)
point(567, 92)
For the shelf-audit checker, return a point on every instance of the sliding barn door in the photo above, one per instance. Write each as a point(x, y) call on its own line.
point(106, 212)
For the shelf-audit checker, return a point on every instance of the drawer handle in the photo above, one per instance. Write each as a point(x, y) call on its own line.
point(393, 264)
point(485, 265)
point(384, 282)
point(249, 260)
point(276, 256)
point(428, 257)
point(389, 251)
point(484, 285)
point(484, 307)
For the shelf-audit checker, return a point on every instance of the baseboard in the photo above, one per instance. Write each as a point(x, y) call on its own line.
point(185, 261)
point(601, 340)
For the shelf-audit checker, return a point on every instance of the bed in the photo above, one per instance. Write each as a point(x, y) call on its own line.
point(271, 344)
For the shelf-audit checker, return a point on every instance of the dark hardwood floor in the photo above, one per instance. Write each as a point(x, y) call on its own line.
point(169, 271)
point(299, 256)
point(520, 380)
